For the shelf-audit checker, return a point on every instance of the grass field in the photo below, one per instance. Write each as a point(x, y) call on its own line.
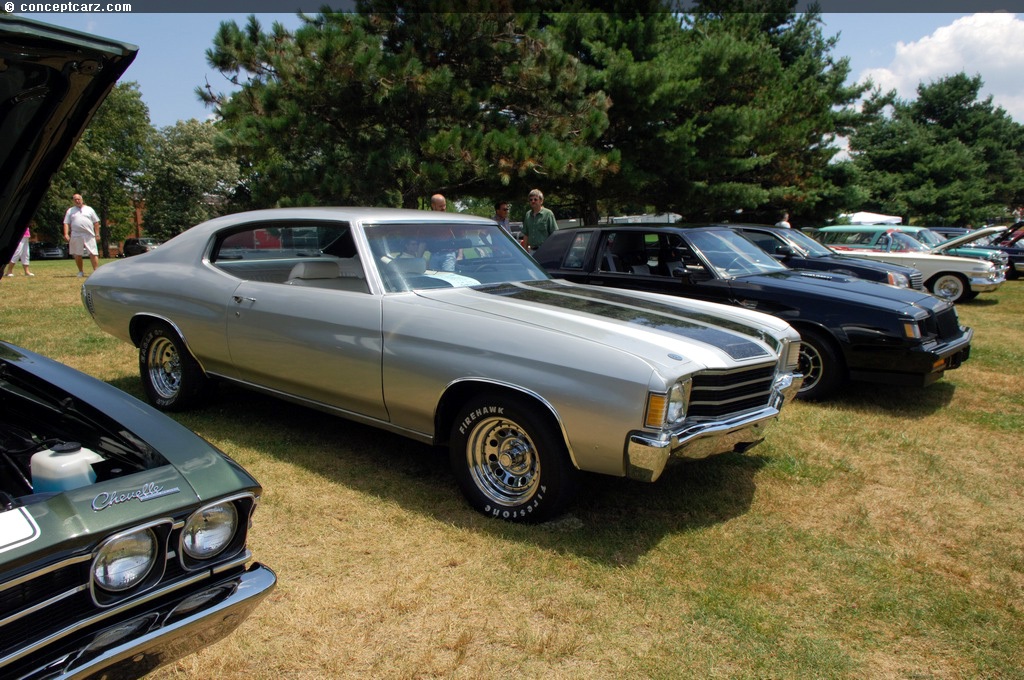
point(876, 536)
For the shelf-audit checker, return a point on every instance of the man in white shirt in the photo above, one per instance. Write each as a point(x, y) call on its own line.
point(84, 226)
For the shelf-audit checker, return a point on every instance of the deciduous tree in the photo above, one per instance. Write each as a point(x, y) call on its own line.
point(105, 167)
point(188, 180)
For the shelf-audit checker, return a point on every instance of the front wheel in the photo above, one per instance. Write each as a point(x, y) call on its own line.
point(820, 364)
point(511, 462)
point(951, 287)
point(171, 377)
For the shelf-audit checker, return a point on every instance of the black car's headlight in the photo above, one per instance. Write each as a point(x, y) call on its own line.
point(209, 530)
point(900, 280)
point(912, 330)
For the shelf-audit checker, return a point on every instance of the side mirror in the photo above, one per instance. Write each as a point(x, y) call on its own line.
point(783, 252)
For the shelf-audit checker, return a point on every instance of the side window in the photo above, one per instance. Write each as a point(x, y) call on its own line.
point(300, 253)
point(577, 250)
point(766, 242)
point(677, 259)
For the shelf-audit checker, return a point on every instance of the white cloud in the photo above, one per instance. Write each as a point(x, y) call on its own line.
point(987, 45)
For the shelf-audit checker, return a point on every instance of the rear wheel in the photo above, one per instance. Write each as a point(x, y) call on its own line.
point(510, 461)
point(952, 287)
point(171, 377)
point(820, 365)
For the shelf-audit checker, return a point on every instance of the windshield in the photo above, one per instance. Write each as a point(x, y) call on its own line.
point(731, 255)
point(426, 255)
point(928, 237)
point(904, 243)
point(808, 244)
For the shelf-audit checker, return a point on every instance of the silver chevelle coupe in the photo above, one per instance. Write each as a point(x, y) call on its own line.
point(441, 328)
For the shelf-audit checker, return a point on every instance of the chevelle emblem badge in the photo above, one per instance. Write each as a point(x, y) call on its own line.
point(146, 492)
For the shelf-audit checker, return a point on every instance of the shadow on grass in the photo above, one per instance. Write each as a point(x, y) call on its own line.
point(910, 402)
point(614, 521)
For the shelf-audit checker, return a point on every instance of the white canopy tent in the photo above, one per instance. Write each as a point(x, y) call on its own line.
point(873, 218)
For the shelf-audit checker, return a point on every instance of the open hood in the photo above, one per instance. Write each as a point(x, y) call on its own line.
point(970, 236)
point(52, 81)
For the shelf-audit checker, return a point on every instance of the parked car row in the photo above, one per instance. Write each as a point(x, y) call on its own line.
point(850, 328)
point(948, 271)
point(1010, 242)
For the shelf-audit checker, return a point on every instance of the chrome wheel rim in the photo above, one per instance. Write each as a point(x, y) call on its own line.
point(811, 365)
point(163, 365)
point(503, 461)
point(949, 287)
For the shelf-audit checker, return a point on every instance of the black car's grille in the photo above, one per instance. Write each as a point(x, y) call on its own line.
point(947, 324)
point(917, 280)
point(722, 393)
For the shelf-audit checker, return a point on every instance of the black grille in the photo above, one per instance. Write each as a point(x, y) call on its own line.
point(948, 324)
point(716, 394)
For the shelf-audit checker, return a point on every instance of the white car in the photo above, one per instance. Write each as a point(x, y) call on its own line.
point(952, 277)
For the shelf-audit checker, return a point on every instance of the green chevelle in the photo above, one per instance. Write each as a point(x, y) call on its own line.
point(122, 534)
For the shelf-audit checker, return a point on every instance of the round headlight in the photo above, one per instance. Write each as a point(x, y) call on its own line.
point(124, 561)
point(209, 530)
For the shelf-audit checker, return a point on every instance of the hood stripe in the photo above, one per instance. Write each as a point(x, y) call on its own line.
point(731, 337)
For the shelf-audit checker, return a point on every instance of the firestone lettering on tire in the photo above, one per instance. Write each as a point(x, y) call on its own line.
point(477, 414)
point(507, 513)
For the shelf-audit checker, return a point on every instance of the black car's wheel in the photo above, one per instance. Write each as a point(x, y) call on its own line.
point(171, 377)
point(510, 461)
point(820, 365)
point(952, 287)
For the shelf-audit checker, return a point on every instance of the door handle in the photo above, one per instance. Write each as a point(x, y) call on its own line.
point(239, 299)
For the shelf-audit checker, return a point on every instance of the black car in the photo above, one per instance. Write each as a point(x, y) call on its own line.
point(44, 250)
point(138, 246)
point(797, 250)
point(850, 328)
point(123, 535)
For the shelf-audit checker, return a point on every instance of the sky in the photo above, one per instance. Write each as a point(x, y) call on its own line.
point(896, 51)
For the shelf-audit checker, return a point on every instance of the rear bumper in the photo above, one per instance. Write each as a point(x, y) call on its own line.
point(155, 636)
point(647, 454)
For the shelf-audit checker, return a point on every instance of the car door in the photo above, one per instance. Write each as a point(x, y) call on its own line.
point(317, 344)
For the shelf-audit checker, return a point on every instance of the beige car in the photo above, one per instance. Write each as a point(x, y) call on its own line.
point(441, 328)
point(951, 277)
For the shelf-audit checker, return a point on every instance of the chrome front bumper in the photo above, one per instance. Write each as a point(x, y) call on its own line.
point(161, 634)
point(647, 454)
point(986, 285)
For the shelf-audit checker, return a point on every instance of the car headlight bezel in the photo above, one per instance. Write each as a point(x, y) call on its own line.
point(666, 409)
point(228, 542)
point(899, 280)
point(129, 562)
point(209, 530)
